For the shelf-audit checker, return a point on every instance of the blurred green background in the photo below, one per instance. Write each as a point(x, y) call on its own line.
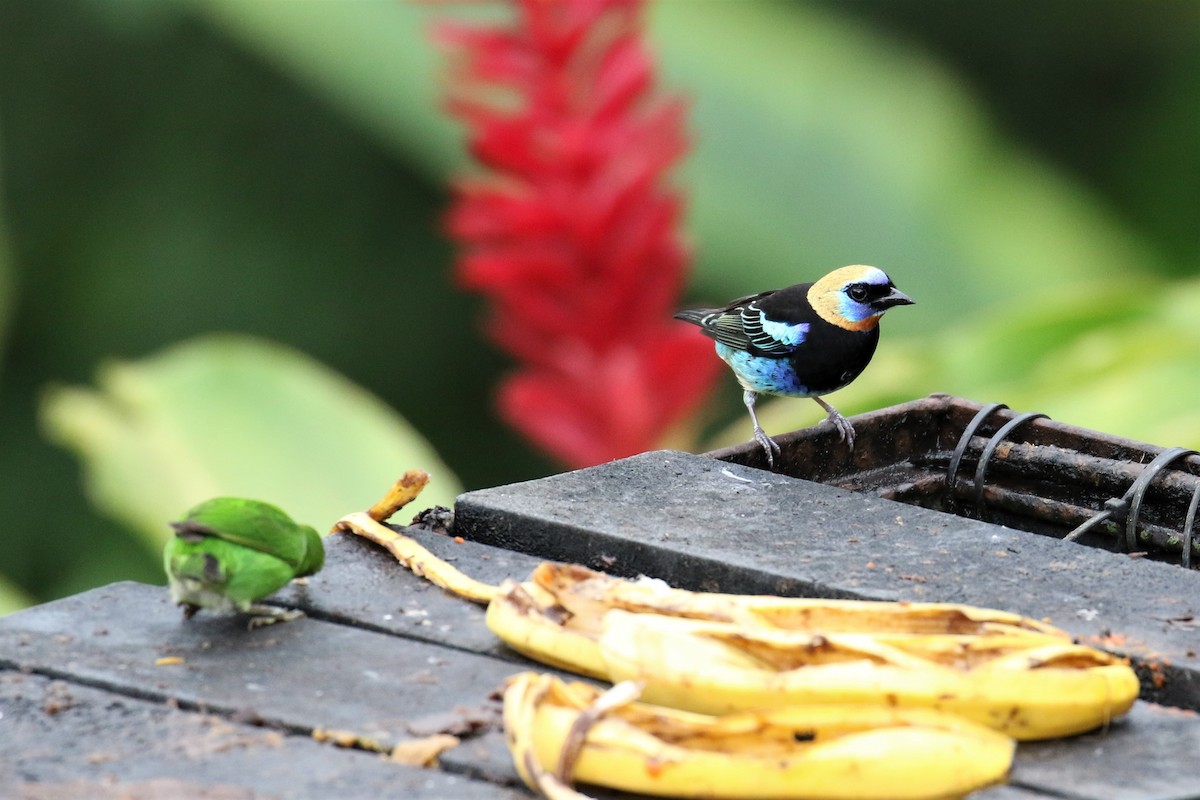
point(1029, 171)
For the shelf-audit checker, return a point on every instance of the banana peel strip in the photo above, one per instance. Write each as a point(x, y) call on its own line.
point(1028, 685)
point(826, 752)
point(422, 563)
point(416, 558)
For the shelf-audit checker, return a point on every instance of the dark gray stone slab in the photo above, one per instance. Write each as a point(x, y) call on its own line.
point(60, 740)
point(362, 579)
point(315, 673)
point(298, 676)
point(705, 524)
point(1009, 792)
point(1148, 755)
point(484, 757)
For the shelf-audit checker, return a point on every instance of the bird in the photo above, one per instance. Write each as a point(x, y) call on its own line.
point(807, 340)
point(227, 553)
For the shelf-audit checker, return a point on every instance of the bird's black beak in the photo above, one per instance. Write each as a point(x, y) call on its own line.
point(894, 298)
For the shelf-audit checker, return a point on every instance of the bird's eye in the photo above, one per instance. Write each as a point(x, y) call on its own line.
point(857, 292)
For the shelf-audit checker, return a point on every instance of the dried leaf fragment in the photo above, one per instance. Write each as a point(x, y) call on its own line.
point(425, 751)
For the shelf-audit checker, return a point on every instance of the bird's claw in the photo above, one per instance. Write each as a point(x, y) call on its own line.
point(843, 426)
point(269, 615)
point(769, 445)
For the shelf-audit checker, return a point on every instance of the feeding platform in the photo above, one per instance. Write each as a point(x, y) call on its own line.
point(109, 693)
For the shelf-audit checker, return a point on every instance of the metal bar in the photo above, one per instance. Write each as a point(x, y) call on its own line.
point(1154, 536)
point(1054, 512)
point(1065, 467)
point(926, 486)
point(1115, 509)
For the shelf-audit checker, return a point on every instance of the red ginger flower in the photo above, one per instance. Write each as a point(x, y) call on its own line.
point(571, 233)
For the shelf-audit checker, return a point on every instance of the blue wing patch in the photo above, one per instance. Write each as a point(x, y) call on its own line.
point(771, 337)
point(743, 326)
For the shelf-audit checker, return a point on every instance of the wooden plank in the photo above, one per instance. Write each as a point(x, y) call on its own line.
point(60, 740)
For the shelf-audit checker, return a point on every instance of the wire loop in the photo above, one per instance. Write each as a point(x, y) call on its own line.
point(990, 450)
point(961, 449)
point(1137, 492)
point(1189, 527)
point(1129, 506)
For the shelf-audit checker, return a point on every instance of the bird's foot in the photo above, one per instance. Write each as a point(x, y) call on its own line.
point(768, 444)
point(844, 428)
point(269, 615)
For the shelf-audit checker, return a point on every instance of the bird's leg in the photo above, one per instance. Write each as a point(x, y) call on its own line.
point(844, 428)
point(760, 436)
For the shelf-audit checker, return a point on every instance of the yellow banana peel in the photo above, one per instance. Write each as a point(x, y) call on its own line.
point(1028, 685)
point(557, 616)
point(825, 752)
point(530, 621)
point(587, 594)
point(721, 653)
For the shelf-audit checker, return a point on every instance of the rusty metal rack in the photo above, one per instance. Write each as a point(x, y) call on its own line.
point(1020, 470)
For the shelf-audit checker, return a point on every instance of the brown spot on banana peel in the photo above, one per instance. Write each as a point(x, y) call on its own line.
point(526, 605)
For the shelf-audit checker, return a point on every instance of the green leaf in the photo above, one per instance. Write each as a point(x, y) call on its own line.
point(228, 415)
point(372, 59)
point(11, 598)
point(7, 292)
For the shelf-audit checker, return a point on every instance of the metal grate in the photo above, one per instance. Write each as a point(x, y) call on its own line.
point(1022, 470)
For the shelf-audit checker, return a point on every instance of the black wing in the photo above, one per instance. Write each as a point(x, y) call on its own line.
point(743, 325)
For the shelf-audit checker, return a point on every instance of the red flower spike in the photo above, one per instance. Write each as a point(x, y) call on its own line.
point(572, 233)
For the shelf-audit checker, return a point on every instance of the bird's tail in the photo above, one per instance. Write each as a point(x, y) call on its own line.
point(694, 315)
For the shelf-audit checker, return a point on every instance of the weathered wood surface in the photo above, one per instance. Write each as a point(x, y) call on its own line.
point(89, 710)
